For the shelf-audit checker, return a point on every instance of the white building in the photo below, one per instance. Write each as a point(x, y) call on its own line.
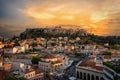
point(8, 50)
point(65, 38)
point(26, 71)
point(18, 66)
point(88, 49)
point(115, 58)
point(29, 74)
point(89, 70)
point(16, 49)
point(78, 39)
point(106, 58)
point(52, 63)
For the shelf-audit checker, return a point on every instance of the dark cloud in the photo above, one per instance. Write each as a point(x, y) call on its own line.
point(9, 10)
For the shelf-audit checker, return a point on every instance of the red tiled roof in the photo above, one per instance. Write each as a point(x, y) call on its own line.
point(29, 70)
point(37, 71)
point(98, 68)
point(4, 74)
point(107, 57)
point(88, 63)
point(50, 56)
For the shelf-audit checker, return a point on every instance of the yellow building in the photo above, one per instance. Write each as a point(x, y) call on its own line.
point(29, 74)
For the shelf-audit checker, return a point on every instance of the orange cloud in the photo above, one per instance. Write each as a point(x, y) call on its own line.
point(93, 17)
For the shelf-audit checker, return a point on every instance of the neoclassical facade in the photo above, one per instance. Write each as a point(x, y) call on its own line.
point(89, 70)
point(52, 63)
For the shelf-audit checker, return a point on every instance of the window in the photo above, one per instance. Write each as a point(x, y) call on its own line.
point(92, 78)
point(101, 78)
point(85, 76)
point(97, 78)
point(29, 75)
point(77, 74)
point(88, 76)
point(80, 75)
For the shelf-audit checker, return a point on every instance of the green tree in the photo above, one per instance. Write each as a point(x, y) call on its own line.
point(36, 59)
point(107, 53)
point(116, 46)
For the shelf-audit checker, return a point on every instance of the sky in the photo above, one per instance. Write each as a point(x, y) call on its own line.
point(101, 17)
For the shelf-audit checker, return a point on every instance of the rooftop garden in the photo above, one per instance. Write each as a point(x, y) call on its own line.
point(114, 66)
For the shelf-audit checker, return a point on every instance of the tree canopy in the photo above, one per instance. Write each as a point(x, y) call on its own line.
point(107, 53)
point(36, 59)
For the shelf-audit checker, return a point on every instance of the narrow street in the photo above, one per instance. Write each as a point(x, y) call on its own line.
point(69, 72)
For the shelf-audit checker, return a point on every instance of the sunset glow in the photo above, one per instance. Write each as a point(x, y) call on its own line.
point(94, 15)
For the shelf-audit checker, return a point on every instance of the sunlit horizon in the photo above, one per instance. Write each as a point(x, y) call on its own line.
point(99, 17)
